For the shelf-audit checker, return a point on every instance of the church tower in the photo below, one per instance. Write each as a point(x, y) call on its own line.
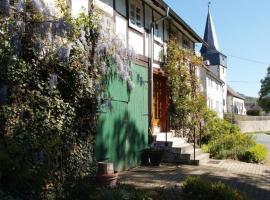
point(216, 61)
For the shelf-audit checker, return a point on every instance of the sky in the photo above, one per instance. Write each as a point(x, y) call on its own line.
point(243, 30)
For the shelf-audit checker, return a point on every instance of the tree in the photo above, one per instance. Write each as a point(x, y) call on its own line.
point(264, 99)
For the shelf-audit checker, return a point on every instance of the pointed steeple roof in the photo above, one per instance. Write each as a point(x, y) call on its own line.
point(210, 36)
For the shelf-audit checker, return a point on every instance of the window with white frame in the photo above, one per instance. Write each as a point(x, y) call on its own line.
point(136, 14)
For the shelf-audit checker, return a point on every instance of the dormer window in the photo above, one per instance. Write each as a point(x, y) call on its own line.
point(136, 15)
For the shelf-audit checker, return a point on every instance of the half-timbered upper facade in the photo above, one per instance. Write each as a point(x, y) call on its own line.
point(132, 22)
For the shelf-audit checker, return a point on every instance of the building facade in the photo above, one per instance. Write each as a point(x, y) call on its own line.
point(235, 102)
point(123, 131)
point(212, 87)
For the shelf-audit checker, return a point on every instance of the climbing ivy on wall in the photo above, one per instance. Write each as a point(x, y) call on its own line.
point(185, 100)
point(52, 70)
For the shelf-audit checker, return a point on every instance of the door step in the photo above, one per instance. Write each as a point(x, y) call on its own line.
point(179, 151)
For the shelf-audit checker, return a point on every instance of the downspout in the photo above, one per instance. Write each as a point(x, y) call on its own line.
point(150, 71)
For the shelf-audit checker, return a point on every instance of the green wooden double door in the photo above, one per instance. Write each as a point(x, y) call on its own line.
point(123, 122)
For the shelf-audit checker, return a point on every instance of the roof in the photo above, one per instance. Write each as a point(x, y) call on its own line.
point(209, 72)
point(234, 93)
point(178, 19)
point(253, 106)
point(210, 36)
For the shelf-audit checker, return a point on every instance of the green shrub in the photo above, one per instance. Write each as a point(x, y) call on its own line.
point(121, 192)
point(256, 153)
point(253, 112)
point(229, 117)
point(196, 188)
point(215, 127)
point(230, 145)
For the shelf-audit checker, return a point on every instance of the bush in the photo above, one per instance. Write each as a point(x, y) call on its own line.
point(196, 188)
point(230, 117)
point(121, 193)
point(230, 145)
point(256, 154)
point(215, 127)
point(253, 112)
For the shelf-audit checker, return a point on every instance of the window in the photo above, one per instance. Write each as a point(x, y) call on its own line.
point(173, 31)
point(136, 15)
point(186, 43)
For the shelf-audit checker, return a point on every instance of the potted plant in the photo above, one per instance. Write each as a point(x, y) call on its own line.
point(155, 153)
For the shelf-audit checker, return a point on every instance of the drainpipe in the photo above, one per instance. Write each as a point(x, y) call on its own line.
point(150, 71)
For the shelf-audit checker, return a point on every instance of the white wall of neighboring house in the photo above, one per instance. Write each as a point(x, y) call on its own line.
point(221, 72)
point(213, 90)
point(214, 94)
point(236, 105)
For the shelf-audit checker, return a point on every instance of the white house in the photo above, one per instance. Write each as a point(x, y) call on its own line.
point(212, 87)
point(235, 102)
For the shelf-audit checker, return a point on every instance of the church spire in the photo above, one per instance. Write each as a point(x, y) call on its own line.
point(210, 36)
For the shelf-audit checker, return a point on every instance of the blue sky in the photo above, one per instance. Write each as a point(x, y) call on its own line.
point(243, 29)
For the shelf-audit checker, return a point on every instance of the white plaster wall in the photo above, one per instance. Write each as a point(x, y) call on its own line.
point(241, 107)
point(79, 6)
point(121, 28)
point(214, 95)
point(254, 126)
point(135, 42)
point(158, 52)
point(147, 45)
point(232, 102)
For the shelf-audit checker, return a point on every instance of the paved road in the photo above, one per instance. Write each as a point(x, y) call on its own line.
point(252, 179)
point(263, 139)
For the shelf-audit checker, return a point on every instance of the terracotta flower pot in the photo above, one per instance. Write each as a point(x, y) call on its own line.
point(107, 179)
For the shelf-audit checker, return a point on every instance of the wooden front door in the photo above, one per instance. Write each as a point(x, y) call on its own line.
point(160, 103)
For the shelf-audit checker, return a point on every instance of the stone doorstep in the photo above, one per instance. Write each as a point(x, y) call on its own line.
point(180, 151)
point(186, 158)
